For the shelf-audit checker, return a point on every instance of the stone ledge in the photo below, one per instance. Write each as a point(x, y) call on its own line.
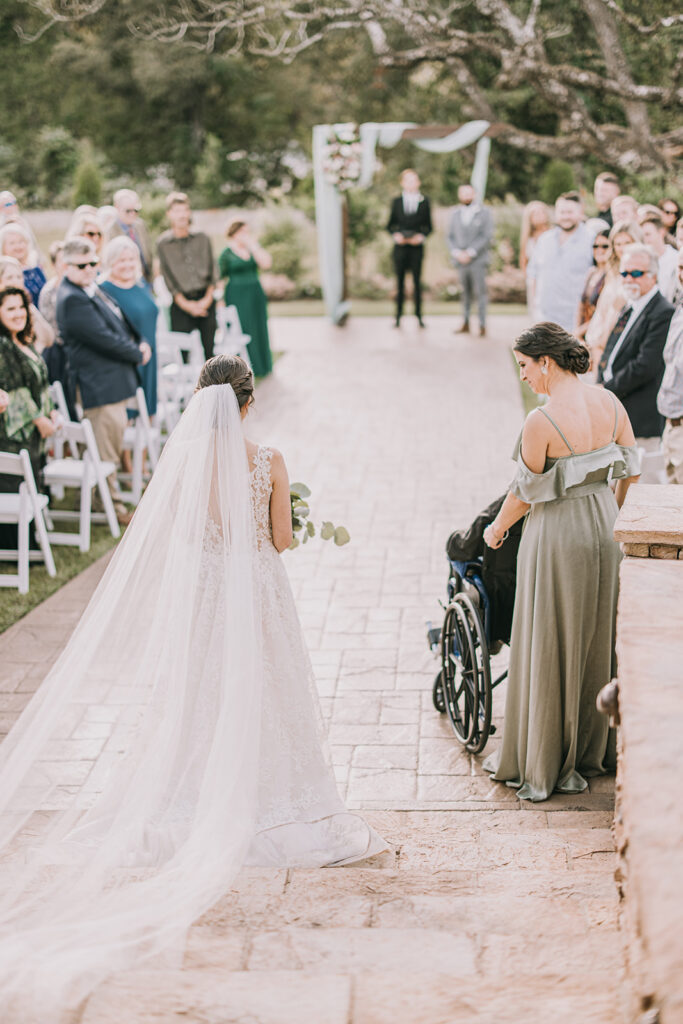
point(651, 515)
point(649, 817)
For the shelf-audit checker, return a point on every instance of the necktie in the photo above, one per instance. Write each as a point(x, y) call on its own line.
point(617, 332)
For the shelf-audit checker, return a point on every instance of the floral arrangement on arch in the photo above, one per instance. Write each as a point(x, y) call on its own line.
point(341, 163)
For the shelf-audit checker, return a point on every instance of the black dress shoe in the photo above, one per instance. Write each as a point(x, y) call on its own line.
point(397, 322)
point(420, 322)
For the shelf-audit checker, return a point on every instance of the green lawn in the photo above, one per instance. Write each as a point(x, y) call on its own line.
point(385, 308)
point(69, 561)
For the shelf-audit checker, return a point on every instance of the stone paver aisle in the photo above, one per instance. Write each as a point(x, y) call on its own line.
point(484, 911)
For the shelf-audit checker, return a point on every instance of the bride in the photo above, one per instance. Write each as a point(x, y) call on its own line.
point(178, 737)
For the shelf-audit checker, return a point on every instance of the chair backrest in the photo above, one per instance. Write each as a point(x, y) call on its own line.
point(20, 465)
point(169, 347)
point(59, 400)
point(192, 345)
point(229, 320)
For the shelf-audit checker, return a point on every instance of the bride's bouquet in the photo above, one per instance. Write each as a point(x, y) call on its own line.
point(301, 524)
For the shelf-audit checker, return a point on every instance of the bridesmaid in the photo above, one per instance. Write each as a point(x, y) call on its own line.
point(562, 644)
point(125, 284)
point(240, 263)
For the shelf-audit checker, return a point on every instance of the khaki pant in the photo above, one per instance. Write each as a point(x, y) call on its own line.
point(672, 442)
point(109, 423)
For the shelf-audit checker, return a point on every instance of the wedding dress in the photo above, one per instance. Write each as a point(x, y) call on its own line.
point(177, 738)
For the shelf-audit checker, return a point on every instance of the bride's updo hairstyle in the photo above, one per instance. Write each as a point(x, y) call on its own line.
point(551, 340)
point(230, 370)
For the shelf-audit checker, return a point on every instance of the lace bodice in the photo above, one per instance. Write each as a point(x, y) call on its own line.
point(261, 487)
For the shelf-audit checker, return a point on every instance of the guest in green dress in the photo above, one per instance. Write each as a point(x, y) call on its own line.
point(563, 630)
point(28, 417)
point(240, 263)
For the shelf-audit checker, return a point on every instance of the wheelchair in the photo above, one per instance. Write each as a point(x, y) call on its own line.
point(476, 625)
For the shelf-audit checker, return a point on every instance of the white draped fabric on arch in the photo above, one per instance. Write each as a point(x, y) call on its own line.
point(329, 203)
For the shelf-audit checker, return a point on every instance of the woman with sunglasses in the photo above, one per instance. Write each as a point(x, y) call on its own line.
point(86, 225)
point(595, 280)
point(611, 299)
point(671, 214)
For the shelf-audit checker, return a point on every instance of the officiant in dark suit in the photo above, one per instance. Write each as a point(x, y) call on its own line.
point(632, 364)
point(103, 354)
point(470, 234)
point(410, 221)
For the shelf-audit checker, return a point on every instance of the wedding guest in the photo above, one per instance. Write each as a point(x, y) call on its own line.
point(611, 300)
point(101, 352)
point(655, 235)
point(86, 225)
point(410, 222)
point(535, 221)
point(11, 276)
point(624, 208)
point(239, 264)
point(559, 264)
point(106, 216)
point(595, 280)
point(9, 208)
point(470, 234)
point(563, 636)
point(187, 266)
point(679, 234)
point(670, 397)
point(632, 364)
point(125, 283)
point(605, 191)
point(56, 357)
point(671, 213)
point(29, 418)
point(127, 221)
point(15, 241)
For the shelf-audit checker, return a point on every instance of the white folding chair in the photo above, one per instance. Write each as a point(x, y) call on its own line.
point(84, 473)
point(23, 508)
point(230, 338)
point(59, 402)
point(653, 466)
point(137, 437)
point(180, 358)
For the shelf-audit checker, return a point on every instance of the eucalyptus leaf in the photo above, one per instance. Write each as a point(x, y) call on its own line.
point(295, 543)
point(341, 536)
point(327, 531)
point(300, 490)
point(306, 536)
point(310, 529)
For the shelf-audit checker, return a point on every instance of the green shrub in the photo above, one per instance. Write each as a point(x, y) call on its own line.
point(558, 177)
point(210, 174)
point(87, 185)
point(56, 161)
point(282, 239)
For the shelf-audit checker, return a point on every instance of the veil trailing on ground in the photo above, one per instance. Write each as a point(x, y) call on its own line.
point(127, 787)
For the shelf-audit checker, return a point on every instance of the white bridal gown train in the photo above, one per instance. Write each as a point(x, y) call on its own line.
point(177, 738)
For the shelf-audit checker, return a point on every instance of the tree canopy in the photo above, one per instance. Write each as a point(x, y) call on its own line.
point(222, 93)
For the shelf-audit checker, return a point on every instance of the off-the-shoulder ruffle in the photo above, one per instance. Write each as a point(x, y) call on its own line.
point(572, 470)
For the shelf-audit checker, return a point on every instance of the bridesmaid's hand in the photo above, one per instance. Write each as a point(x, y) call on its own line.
point(4, 401)
point(491, 538)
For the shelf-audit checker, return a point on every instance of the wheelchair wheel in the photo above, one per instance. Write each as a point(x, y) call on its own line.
point(459, 674)
point(437, 694)
point(481, 674)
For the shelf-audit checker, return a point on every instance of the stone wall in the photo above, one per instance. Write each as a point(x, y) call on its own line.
point(649, 813)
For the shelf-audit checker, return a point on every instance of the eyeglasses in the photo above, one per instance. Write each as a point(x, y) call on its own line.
point(600, 245)
point(136, 209)
point(92, 234)
point(82, 266)
point(673, 213)
point(633, 273)
point(9, 203)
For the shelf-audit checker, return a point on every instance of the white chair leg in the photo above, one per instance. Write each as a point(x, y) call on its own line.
point(136, 477)
point(86, 504)
point(22, 550)
point(105, 495)
point(44, 542)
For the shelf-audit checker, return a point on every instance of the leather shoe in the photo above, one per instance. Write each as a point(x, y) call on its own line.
point(420, 322)
point(397, 322)
point(482, 331)
point(464, 329)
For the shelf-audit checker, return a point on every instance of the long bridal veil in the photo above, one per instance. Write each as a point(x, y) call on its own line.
point(127, 787)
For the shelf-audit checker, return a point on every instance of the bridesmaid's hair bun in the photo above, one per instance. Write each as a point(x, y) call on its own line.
point(551, 340)
point(230, 370)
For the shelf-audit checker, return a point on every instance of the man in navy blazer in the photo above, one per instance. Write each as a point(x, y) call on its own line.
point(632, 364)
point(102, 354)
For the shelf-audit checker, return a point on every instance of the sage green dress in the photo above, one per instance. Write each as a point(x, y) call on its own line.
point(562, 643)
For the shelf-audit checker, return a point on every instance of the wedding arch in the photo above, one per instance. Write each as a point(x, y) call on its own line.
point(330, 207)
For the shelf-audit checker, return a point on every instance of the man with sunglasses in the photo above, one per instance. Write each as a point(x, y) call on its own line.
point(632, 364)
point(103, 354)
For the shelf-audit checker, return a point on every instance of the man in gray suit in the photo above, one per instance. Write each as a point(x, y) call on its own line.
point(470, 234)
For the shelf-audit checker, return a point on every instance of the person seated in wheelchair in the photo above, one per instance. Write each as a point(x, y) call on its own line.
point(493, 571)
